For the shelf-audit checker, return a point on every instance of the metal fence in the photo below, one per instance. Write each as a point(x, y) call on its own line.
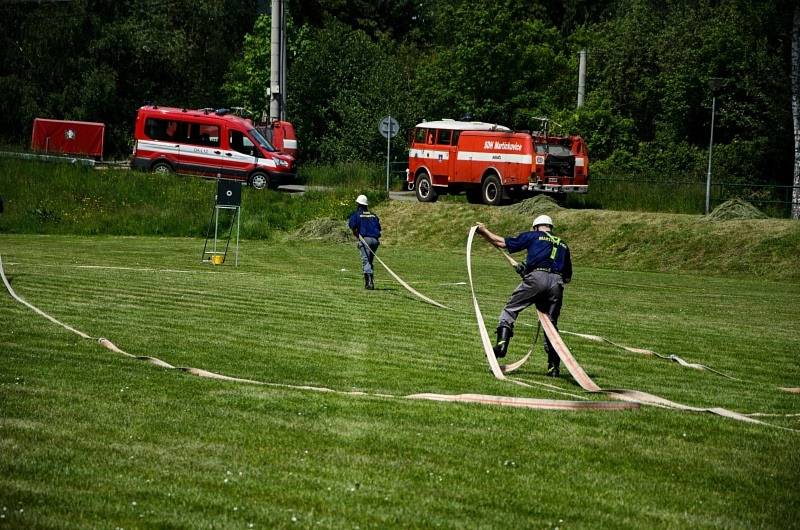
point(765, 196)
point(688, 196)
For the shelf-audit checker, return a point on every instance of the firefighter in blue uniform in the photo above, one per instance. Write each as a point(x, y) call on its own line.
point(544, 273)
point(367, 225)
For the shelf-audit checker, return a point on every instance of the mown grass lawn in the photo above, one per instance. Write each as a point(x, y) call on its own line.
point(93, 439)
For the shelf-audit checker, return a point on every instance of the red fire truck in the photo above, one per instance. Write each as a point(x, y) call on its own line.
point(281, 134)
point(208, 142)
point(491, 162)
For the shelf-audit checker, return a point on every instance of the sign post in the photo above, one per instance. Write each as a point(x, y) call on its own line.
point(715, 84)
point(388, 127)
point(229, 197)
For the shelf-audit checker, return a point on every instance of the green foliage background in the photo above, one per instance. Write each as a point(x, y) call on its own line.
point(647, 109)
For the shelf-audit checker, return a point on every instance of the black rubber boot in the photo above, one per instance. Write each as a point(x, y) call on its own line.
point(366, 281)
point(370, 284)
point(553, 364)
point(553, 361)
point(553, 369)
point(504, 335)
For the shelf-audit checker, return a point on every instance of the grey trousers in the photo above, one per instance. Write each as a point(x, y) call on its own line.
point(546, 291)
point(366, 255)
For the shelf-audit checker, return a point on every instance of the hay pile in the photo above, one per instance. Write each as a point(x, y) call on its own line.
point(536, 205)
point(326, 229)
point(735, 209)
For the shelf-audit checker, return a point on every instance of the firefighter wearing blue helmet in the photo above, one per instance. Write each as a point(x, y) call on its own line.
point(545, 271)
point(367, 225)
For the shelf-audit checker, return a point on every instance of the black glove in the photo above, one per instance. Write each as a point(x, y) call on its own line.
point(520, 269)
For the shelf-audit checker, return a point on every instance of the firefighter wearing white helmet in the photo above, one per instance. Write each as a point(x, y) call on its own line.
point(542, 220)
point(545, 271)
point(367, 228)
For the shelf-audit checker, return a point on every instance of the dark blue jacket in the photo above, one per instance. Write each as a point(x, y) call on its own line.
point(365, 223)
point(545, 252)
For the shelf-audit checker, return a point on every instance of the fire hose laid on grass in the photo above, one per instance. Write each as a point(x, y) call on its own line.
point(400, 280)
point(547, 404)
point(628, 398)
point(580, 376)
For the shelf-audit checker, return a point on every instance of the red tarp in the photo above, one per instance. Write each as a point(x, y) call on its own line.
point(68, 137)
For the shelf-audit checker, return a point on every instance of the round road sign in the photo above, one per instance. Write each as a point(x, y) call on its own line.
point(388, 127)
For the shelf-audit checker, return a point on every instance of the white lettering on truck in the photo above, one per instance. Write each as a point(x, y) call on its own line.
point(501, 146)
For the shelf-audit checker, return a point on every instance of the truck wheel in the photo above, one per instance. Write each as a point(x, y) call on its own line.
point(259, 180)
point(425, 191)
point(492, 191)
point(161, 167)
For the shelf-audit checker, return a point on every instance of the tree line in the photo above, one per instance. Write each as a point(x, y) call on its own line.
point(647, 109)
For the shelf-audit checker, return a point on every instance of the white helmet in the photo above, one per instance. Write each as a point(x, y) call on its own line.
point(543, 220)
point(362, 200)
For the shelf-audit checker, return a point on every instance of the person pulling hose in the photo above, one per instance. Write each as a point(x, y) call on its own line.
point(545, 271)
point(367, 225)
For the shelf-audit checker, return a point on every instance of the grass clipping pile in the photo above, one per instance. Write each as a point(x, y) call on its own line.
point(735, 209)
point(536, 205)
point(325, 229)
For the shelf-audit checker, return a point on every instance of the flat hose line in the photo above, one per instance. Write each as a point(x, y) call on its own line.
point(645, 351)
point(577, 372)
point(518, 364)
point(471, 398)
point(518, 402)
point(505, 368)
point(400, 280)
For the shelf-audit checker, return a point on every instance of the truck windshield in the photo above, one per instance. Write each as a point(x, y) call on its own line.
point(259, 138)
point(553, 149)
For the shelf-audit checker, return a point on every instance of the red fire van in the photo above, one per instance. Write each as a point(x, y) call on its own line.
point(210, 143)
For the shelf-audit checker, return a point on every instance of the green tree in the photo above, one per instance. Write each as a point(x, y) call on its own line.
point(655, 60)
point(98, 60)
point(498, 62)
point(247, 79)
point(341, 83)
point(393, 19)
point(604, 130)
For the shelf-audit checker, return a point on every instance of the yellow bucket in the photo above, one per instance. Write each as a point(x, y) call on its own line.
point(217, 259)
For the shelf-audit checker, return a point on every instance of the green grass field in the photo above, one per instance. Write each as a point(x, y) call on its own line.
point(94, 439)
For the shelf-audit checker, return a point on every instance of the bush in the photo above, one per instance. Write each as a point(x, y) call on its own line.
point(63, 199)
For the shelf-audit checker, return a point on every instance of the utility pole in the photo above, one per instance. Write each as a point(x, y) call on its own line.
point(795, 206)
point(581, 78)
point(283, 62)
point(714, 84)
point(277, 62)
